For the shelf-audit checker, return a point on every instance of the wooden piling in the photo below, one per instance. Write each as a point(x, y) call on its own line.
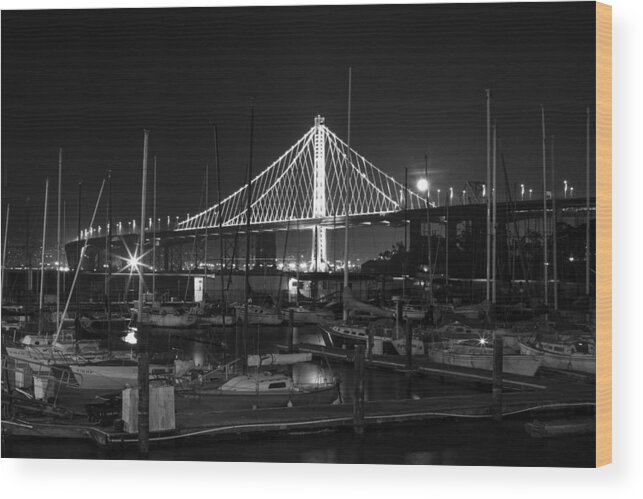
point(496, 391)
point(409, 344)
point(358, 396)
point(291, 329)
point(143, 392)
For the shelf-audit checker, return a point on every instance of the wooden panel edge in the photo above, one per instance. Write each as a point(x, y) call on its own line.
point(603, 234)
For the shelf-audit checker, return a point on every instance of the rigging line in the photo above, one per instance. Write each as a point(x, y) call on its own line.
point(283, 265)
point(372, 166)
point(194, 249)
point(273, 186)
point(82, 254)
point(243, 188)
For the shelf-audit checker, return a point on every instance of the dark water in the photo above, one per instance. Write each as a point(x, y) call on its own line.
point(468, 442)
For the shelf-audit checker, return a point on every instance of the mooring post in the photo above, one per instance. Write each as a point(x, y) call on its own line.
point(143, 392)
point(358, 396)
point(409, 344)
point(291, 330)
point(496, 391)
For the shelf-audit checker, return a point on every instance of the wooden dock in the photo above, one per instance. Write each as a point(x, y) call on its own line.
point(521, 395)
point(310, 419)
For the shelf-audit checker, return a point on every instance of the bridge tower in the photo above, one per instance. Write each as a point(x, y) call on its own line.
point(319, 257)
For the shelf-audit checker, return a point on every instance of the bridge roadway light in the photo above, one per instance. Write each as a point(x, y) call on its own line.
point(423, 185)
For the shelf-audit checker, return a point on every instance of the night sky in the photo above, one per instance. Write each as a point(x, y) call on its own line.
point(91, 81)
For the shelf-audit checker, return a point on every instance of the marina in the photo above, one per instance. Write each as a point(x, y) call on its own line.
point(344, 265)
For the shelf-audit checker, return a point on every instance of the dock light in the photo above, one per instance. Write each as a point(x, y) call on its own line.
point(522, 192)
point(571, 192)
point(130, 337)
point(565, 188)
point(530, 193)
point(484, 190)
point(423, 185)
point(438, 203)
point(133, 262)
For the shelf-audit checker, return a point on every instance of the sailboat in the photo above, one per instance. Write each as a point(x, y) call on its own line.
point(304, 384)
point(118, 372)
point(42, 351)
point(478, 354)
point(563, 353)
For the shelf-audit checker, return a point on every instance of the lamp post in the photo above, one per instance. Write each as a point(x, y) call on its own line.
point(565, 189)
point(522, 192)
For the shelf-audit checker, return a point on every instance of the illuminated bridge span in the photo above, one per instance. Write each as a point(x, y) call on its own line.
point(313, 183)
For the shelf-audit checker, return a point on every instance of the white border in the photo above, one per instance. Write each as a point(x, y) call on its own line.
point(108, 479)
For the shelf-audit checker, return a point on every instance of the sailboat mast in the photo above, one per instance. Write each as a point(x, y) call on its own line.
point(494, 235)
point(79, 261)
point(4, 251)
point(108, 257)
point(446, 239)
point(347, 188)
point(587, 210)
point(42, 260)
point(428, 226)
point(553, 224)
point(248, 220)
point(205, 242)
point(154, 237)
point(143, 359)
point(488, 190)
point(404, 261)
point(545, 262)
point(141, 243)
point(60, 166)
point(220, 220)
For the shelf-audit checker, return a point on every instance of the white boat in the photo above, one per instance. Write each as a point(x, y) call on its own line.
point(411, 311)
point(216, 320)
point(384, 342)
point(264, 390)
point(563, 354)
point(207, 315)
point(303, 315)
point(165, 319)
point(112, 374)
point(480, 356)
point(41, 353)
point(267, 316)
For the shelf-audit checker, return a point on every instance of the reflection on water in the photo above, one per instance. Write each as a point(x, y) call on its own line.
point(462, 443)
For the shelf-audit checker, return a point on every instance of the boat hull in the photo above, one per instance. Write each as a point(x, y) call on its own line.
point(108, 377)
point(217, 320)
point(218, 401)
point(523, 365)
point(564, 362)
point(169, 320)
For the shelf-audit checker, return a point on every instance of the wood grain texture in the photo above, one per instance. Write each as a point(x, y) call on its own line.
point(603, 234)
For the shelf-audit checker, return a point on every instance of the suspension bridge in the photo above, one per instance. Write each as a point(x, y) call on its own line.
point(313, 184)
point(311, 187)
